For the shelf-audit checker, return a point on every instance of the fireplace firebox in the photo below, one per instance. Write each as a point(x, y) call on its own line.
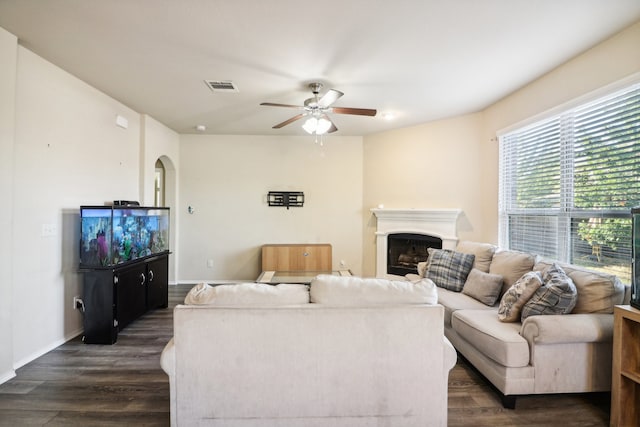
point(406, 250)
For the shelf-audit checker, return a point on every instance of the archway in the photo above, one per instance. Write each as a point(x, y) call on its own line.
point(165, 194)
point(158, 185)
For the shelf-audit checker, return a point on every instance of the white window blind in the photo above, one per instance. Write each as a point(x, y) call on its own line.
point(568, 183)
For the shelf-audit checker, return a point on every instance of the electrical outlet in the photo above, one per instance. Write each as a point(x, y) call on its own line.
point(209, 263)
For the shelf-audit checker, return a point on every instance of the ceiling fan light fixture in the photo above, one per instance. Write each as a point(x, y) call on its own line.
point(323, 126)
point(310, 125)
point(318, 126)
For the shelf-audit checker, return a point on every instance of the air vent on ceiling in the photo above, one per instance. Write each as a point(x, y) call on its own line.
point(222, 85)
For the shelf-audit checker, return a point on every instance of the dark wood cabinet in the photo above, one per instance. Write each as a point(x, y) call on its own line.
point(115, 297)
point(157, 280)
point(130, 288)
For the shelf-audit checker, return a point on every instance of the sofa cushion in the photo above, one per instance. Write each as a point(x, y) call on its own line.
point(247, 294)
point(352, 290)
point(558, 294)
point(511, 265)
point(453, 301)
point(483, 253)
point(499, 341)
point(483, 286)
point(517, 296)
point(597, 292)
point(448, 269)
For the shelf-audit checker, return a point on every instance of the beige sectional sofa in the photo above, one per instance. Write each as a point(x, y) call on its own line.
point(557, 353)
point(345, 352)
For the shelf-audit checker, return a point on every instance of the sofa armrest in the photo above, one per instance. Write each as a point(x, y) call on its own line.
point(568, 328)
point(450, 356)
point(168, 358)
point(168, 364)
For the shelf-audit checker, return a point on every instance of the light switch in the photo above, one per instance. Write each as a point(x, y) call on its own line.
point(49, 230)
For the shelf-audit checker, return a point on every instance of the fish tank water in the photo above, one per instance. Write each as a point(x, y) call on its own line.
point(114, 235)
point(635, 257)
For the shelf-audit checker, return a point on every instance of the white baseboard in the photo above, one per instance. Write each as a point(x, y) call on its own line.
point(33, 356)
point(7, 376)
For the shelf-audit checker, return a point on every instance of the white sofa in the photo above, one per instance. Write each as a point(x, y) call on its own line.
point(365, 352)
point(559, 353)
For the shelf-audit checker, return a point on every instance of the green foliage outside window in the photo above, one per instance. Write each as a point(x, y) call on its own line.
point(583, 168)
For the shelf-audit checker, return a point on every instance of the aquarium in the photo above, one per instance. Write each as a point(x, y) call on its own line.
point(113, 235)
point(635, 257)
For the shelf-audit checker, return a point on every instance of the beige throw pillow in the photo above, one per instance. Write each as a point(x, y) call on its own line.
point(511, 265)
point(517, 296)
point(483, 286)
point(482, 251)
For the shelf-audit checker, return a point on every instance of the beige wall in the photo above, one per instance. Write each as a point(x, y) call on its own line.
point(63, 149)
point(68, 152)
point(159, 142)
point(607, 64)
point(435, 165)
point(8, 58)
point(464, 150)
point(226, 180)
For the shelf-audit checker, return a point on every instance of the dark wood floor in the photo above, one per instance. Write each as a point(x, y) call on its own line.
point(123, 384)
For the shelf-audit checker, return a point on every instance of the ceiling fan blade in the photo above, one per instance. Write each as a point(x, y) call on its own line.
point(272, 104)
point(356, 111)
point(291, 120)
point(329, 98)
point(333, 127)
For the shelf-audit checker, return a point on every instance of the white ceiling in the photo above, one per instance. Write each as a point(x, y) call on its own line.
point(421, 60)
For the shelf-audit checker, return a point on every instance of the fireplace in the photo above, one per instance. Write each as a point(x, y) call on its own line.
point(421, 225)
point(406, 250)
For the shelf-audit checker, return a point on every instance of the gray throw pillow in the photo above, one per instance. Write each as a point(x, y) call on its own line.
point(558, 295)
point(448, 269)
point(483, 286)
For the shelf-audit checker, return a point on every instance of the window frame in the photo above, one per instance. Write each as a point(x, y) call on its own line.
point(565, 211)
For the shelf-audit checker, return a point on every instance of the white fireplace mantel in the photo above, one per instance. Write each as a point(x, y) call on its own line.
point(442, 223)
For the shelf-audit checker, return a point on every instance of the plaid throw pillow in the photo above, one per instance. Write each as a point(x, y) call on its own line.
point(558, 295)
point(448, 269)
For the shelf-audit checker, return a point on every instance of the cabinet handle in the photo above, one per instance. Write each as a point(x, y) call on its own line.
point(150, 275)
point(142, 278)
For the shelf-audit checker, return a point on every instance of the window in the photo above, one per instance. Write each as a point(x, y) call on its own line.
point(568, 183)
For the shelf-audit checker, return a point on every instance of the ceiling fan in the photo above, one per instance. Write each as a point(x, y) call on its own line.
point(316, 110)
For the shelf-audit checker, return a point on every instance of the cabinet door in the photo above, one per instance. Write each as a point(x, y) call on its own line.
point(131, 294)
point(99, 307)
point(157, 283)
